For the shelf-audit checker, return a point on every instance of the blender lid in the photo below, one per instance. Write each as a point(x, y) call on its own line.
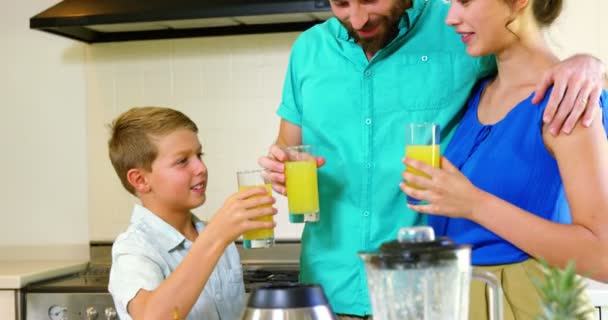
point(415, 247)
point(399, 247)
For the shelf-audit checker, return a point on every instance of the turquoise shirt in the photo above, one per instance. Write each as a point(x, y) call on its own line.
point(150, 249)
point(354, 113)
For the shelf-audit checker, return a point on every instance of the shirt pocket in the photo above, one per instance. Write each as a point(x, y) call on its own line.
point(425, 81)
point(235, 291)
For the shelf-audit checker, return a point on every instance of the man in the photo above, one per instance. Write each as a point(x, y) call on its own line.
point(351, 85)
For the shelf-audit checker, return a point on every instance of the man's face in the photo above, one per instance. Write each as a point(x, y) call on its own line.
point(371, 23)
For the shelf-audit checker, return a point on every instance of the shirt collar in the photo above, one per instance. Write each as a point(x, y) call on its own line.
point(167, 236)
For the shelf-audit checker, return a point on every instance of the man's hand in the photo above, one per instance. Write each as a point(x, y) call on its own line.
point(577, 86)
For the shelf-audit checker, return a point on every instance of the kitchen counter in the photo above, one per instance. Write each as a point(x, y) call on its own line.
point(598, 293)
point(17, 274)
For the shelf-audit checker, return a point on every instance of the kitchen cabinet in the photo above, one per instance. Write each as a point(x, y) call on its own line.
point(8, 304)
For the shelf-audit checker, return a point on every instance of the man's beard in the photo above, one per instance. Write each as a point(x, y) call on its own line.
point(389, 28)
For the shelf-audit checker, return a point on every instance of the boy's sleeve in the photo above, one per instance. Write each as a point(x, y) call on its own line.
point(131, 272)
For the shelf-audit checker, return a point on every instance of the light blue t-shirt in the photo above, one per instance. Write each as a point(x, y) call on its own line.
point(354, 111)
point(150, 249)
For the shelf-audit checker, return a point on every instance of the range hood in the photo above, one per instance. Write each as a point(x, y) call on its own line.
point(123, 20)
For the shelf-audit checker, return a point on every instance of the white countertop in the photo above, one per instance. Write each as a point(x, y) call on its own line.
point(17, 274)
point(598, 293)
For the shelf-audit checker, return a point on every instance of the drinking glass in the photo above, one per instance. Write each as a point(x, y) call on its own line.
point(301, 184)
point(261, 238)
point(422, 142)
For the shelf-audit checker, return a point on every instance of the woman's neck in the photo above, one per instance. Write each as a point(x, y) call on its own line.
point(523, 64)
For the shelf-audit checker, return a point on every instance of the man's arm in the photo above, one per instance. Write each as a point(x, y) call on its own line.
point(577, 85)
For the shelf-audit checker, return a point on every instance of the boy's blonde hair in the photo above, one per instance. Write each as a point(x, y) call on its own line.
point(132, 135)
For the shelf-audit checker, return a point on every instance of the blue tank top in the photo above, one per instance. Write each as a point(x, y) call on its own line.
point(509, 160)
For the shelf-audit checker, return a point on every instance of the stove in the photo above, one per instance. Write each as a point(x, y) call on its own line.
point(270, 266)
point(84, 295)
point(269, 276)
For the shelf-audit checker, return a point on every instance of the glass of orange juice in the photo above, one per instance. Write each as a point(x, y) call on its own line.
point(422, 142)
point(261, 238)
point(301, 184)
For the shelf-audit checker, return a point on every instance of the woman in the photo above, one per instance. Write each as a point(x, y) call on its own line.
point(510, 188)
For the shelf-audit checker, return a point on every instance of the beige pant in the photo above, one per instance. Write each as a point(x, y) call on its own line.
point(521, 300)
point(347, 317)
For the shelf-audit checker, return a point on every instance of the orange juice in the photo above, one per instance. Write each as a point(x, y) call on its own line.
point(425, 153)
point(302, 189)
point(260, 233)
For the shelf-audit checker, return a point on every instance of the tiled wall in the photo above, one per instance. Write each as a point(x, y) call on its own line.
point(230, 86)
point(43, 165)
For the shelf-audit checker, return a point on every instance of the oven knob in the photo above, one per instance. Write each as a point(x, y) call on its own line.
point(91, 313)
point(111, 314)
point(58, 313)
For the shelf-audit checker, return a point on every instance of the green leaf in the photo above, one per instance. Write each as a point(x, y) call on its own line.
point(562, 293)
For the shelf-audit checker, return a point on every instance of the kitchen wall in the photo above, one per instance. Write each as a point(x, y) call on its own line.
point(230, 86)
point(43, 167)
point(57, 95)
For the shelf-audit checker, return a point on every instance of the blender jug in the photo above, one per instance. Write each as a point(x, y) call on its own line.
point(420, 277)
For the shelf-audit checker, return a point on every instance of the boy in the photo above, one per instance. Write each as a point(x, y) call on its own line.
point(168, 261)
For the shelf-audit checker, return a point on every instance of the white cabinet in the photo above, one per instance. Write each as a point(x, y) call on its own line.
point(8, 304)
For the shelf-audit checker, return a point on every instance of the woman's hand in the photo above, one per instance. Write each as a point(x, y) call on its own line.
point(447, 190)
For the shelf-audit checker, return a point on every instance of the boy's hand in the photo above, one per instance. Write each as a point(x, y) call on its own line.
point(274, 163)
point(237, 214)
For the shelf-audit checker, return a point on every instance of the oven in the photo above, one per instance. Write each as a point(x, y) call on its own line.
point(84, 295)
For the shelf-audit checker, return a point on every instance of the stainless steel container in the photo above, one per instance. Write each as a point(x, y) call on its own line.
point(288, 302)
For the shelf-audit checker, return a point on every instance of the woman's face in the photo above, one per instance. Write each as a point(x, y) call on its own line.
point(482, 24)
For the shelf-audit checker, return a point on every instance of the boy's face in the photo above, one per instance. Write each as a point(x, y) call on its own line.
point(178, 179)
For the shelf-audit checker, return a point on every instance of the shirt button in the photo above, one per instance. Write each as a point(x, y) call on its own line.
point(218, 297)
point(368, 121)
point(368, 73)
point(366, 213)
point(369, 165)
point(424, 58)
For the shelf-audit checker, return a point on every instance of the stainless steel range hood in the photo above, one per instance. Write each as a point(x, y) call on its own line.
point(122, 20)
